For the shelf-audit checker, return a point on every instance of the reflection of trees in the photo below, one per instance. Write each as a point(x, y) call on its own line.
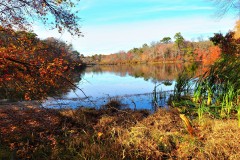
point(159, 72)
point(9, 90)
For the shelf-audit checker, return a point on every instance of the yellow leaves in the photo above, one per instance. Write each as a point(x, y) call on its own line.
point(237, 30)
point(12, 128)
point(99, 134)
point(71, 131)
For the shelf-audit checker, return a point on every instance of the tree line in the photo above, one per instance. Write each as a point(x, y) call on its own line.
point(166, 50)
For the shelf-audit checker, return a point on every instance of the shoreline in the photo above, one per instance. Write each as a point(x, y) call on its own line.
point(39, 133)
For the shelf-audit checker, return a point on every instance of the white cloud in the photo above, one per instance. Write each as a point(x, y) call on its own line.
point(178, 8)
point(112, 38)
point(106, 39)
point(148, 10)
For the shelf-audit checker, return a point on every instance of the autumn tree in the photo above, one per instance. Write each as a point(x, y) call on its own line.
point(228, 44)
point(237, 30)
point(222, 77)
point(21, 14)
point(29, 66)
point(60, 47)
point(212, 56)
point(220, 83)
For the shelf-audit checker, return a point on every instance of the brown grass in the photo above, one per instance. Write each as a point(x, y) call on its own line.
point(33, 133)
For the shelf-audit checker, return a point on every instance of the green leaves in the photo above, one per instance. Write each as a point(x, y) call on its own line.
point(178, 39)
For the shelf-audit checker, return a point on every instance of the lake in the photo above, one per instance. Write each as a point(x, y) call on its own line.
point(133, 85)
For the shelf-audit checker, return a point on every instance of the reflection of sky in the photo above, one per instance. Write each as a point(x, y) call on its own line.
point(101, 87)
point(110, 84)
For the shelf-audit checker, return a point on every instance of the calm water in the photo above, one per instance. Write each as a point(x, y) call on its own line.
point(133, 85)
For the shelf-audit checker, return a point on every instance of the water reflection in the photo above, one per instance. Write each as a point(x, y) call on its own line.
point(158, 72)
point(15, 88)
point(133, 85)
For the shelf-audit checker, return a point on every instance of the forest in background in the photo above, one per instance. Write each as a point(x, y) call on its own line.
point(164, 51)
point(200, 125)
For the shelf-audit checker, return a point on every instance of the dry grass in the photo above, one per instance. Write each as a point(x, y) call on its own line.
point(163, 135)
point(221, 139)
point(154, 137)
point(34, 133)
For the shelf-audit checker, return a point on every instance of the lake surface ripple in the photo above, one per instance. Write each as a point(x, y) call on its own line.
point(133, 85)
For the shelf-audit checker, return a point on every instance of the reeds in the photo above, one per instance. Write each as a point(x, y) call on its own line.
point(155, 97)
point(201, 109)
point(197, 95)
point(182, 85)
point(158, 97)
point(218, 88)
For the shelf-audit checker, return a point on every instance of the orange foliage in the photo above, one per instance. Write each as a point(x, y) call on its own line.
point(29, 67)
point(237, 30)
point(199, 53)
point(212, 56)
point(207, 56)
point(157, 52)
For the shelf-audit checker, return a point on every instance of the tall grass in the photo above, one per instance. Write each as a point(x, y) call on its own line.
point(157, 96)
point(228, 98)
point(182, 85)
point(218, 88)
point(209, 95)
point(201, 109)
point(197, 95)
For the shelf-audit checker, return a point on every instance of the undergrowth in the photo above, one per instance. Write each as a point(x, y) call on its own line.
point(87, 133)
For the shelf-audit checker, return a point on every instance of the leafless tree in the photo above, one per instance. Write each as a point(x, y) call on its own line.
point(225, 6)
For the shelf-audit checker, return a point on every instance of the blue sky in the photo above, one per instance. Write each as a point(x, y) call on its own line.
point(109, 26)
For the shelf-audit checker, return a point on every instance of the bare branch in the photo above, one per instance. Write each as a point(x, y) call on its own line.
point(55, 14)
point(227, 6)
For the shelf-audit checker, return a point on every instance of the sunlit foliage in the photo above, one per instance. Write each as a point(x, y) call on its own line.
point(31, 68)
point(164, 51)
point(220, 85)
point(237, 30)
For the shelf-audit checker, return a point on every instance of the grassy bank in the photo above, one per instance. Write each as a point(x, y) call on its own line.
point(110, 133)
